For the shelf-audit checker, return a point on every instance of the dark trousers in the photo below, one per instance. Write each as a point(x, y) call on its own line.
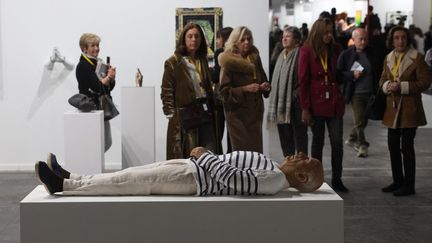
point(402, 155)
point(335, 130)
point(293, 136)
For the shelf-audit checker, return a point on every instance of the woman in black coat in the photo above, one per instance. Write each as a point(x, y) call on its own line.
point(88, 82)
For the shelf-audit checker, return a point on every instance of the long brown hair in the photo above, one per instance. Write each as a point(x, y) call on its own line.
point(316, 34)
point(181, 43)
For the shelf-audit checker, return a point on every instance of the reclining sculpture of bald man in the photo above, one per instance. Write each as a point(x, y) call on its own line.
point(204, 173)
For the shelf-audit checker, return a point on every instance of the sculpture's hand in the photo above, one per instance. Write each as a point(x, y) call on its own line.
point(197, 152)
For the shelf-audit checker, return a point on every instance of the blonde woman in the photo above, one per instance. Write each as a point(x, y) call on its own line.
point(243, 84)
point(88, 82)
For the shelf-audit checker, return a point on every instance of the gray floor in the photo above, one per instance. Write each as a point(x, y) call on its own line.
point(370, 215)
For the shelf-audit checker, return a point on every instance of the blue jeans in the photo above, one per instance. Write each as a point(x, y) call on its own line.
point(335, 130)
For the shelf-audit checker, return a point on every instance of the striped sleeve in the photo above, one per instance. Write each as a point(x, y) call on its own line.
point(236, 172)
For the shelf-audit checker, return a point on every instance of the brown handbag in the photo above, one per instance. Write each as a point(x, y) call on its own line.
point(195, 114)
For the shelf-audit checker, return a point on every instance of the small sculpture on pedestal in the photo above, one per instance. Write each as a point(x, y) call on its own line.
point(138, 78)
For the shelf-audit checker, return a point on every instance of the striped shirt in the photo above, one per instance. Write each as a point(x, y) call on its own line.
point(237, 173)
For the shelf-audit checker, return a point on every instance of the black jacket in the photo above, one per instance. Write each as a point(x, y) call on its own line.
point(344, 73)
point(88, 82)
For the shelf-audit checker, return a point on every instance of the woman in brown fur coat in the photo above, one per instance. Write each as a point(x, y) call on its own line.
point(243, 83)
point(404, 78)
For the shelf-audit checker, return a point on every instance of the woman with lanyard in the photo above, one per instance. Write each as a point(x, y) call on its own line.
point(243, 84)
point(88, 82)
point(186, 80)
point(321, 97)
point(404, 78)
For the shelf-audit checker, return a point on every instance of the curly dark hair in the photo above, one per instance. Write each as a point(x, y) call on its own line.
point(181, 43)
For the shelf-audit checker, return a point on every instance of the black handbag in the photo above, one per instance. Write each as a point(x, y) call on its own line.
point(195, 114)
point(108, 107)
point(376, 105)
point(82, 102)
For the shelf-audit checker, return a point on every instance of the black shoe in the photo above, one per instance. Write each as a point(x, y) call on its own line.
point(338, 186)
point(52, 182)
point(404, 191)
point(56, 168)
point(391, 188)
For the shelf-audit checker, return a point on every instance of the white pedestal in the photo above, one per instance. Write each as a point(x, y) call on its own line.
point(427, 106)
point(84, 141)
point(287, 217)
point(138, 126)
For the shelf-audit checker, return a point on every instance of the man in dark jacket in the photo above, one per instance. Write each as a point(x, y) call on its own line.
point(359, 68)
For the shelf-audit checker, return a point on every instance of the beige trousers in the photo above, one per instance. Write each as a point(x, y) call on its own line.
point(174, 177)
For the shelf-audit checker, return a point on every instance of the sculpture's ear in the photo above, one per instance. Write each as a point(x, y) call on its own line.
point(301, 176)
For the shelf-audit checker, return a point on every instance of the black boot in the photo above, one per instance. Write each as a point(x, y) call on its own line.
point(338, 186)
point(56, 168)
point(392, 187)
point(404, 191)
point(52, 182)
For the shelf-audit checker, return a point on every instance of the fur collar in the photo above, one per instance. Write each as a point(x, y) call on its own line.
point(235, 63)
point(408, 59)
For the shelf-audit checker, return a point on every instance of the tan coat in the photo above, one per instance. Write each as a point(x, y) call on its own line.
point(414, 78)
point(177, 90)
point(243, 111)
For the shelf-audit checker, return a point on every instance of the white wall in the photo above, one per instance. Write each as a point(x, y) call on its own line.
point(134, 33)
point(381, 7)
point(421, 14)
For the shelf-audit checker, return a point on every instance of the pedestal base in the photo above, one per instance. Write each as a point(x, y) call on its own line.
point(138, 126)
point(287, 217)
point(84, 142)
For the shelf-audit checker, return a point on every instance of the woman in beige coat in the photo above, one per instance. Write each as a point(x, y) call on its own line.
point(243, 83)
point(186, 79)
point(404, 77)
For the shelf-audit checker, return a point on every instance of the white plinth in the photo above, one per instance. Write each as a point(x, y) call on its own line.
point(287, 217)
point(427, 106)
point(84, 141)
point(138, 126)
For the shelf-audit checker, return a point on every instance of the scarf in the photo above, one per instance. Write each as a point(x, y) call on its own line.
point(284, 75)
point(195, 78)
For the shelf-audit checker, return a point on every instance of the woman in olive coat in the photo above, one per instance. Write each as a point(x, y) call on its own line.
point(186, 79)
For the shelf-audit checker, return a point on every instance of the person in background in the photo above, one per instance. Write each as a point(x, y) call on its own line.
point(427, 42)
point(186, 80)
point(321, 96)
point(404, 78)
point(243, 85)
point(284, 107)
point(89, 83)
point(222, 36)
point(358, 68)
point(304, 32)
point(204, 173)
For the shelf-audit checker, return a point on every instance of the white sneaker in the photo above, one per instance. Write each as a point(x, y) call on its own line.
point(350, 142)
point(362, 152)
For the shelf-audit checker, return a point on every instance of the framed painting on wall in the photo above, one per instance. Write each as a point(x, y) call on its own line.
point(210, 19)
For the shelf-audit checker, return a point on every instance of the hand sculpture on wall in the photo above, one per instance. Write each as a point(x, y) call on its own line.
point(57, 57)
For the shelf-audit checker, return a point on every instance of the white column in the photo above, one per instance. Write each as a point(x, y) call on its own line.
point(138, 126)
point(84, 142)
